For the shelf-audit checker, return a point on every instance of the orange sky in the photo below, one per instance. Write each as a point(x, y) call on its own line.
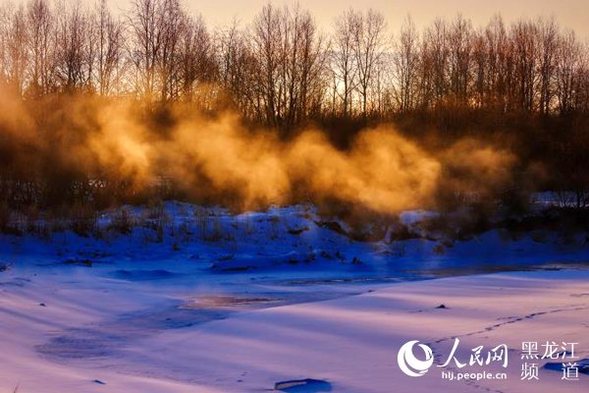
point(570, 13)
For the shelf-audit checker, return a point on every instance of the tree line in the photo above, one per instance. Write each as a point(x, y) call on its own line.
point(280, 70)
point(521, 87)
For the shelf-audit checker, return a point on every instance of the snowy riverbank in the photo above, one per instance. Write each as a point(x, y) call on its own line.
point(278, 296)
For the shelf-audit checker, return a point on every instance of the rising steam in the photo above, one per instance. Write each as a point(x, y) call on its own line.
point(219, 159)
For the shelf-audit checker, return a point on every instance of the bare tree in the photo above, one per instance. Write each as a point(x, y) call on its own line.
point(343, 63)
point(548, 31)
point(499, 64)
point(290, 58)
point(307, 64)
point(146, 45)
point(14, 45)
point(266, 41)
point(460, 39)
point(75, 48)
point(172, 24)
point(197, 62)
point(406, 63)
point(525, 45)
point(368, 45)
point(109, 56)
point(41, 47)
point(435, 55)
point(238, 72)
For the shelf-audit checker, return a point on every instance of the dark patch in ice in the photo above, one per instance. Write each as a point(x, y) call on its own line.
point(216, 301)
point(582, 365)
point(241, 263)
point(143, 275)
point(16, 282)
point(81, 344)
point(342, 280)
point(553, 366)
point(110, 338)
point(174, 317)
point(308, 385)
point(442, 307)
point(79, 262)
point(76, 261)
point(579, 294)
point(99, 382)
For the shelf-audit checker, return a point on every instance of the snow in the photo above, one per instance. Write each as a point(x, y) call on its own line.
point(275, 297)
point(559, 199)
point(412, 217)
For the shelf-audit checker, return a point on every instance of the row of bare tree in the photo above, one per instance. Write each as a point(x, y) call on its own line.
point(280, 70)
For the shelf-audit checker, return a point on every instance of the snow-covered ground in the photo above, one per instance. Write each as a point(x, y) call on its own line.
point(225, 303)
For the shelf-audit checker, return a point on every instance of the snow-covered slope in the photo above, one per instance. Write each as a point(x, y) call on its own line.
point(187, 239)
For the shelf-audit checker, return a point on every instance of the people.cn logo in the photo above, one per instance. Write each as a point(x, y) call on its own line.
point(410, 364)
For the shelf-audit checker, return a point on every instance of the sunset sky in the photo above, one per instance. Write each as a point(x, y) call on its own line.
point(570, 13)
